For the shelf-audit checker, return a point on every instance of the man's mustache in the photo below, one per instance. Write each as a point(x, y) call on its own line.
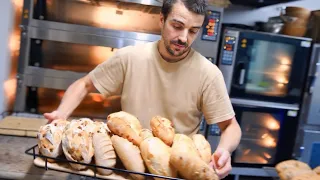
point(179, 43)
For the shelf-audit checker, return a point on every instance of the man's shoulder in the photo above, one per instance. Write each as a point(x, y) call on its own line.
point(206, 67)
point(139, 49)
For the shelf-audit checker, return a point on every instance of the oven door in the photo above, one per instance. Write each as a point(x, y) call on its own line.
point(268, 134)
point(263, 66)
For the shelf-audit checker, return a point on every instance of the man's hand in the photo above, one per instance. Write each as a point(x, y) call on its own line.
point(53, 116)
point(221, 162)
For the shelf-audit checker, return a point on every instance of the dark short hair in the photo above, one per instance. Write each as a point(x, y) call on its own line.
point(196, 6)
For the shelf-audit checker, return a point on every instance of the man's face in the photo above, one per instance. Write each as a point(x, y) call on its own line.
point(180, 29)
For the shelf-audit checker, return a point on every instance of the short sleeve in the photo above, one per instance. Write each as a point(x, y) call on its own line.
point(108, 77)
point(215, 103)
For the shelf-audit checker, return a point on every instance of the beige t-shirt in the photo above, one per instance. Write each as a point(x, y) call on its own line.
point(151, 86)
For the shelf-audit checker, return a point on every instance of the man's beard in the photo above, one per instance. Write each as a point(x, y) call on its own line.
point(173, 52)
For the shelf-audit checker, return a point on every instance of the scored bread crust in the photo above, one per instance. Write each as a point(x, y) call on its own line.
point(156, 155)
point(104, 154)
point(145, 133)
point(203, 147)
point(185, 143)
point(191, 166)
point(163, 129)
point(49, 141)
point(77, 142)
point(129, 155)
point(121, 128)
point(130, 119)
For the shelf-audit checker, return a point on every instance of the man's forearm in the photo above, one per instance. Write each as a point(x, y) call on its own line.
point(73, 97)
point(230, 136)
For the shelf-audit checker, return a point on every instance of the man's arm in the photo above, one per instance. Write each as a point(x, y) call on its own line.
point(74, 95)
point(230, 135)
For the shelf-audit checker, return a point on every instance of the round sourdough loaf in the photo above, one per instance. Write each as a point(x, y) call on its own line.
point(77, 142)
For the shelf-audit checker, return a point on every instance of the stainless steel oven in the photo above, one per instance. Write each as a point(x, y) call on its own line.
point(62, 41)
point(263, 66)
point(268, 133)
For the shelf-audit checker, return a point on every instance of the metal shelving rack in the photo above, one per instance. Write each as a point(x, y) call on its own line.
point(31, 75)
point(34, 29)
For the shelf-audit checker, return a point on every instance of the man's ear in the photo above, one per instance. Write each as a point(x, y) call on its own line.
point(161, 22)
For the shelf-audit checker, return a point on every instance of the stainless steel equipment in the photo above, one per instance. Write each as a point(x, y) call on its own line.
point(62, 40)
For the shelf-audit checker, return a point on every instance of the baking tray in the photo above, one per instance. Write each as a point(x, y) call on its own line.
point(62, 164)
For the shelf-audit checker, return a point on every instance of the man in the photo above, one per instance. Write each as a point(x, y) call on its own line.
point(166, 78)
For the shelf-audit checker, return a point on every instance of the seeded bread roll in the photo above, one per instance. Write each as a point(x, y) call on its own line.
point(190, 166)
point(104, 154)
point(163, 129)
point(203, 147)
point(49, 141)
point(156, 155)
point(130, 119)
point(77, 142)
point(121, 128)
point(129, 155)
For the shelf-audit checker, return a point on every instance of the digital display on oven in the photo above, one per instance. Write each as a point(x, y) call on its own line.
point(228, 49)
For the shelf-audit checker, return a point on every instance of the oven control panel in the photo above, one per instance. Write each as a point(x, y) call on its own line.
point(211, 26)
point(228, 50)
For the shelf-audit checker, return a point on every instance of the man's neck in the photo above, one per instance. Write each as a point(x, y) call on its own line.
point(166, 56)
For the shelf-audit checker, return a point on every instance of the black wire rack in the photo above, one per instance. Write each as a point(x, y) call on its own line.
point(33, 151)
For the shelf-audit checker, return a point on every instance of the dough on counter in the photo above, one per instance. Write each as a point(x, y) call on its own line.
point(104, 154)
point(130, 119)
point(130, 156)
point(203, 147)
point(77, 142)
point(156, 155)
point(163, 129)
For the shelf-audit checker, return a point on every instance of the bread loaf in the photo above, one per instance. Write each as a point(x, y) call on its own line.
point(130, 119)
point(49, 141)
point(145, 133)
point(104, 154)
point(129, 155)
point(317, 170)
point(289, 164)
point(309, 176)
point(102, 127)
point(190, 166)
point(77, 142)
point(289, 174)
point(60, 123)
point(203, 147)
point(121, 128)
point(163, 129)
point(156, 155)
point(185, 143)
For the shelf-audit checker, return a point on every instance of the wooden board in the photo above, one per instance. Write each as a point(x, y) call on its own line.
point(65, 167)
point(21, 126)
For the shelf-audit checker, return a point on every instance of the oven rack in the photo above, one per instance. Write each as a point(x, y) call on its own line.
point(32, 151)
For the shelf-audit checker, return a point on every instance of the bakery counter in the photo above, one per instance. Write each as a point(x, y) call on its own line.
point(15, 164)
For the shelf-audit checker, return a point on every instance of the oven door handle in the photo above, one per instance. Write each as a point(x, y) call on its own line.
point(240, 74)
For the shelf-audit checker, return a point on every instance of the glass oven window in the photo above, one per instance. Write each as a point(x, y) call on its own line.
point(269, 68)
point(259, 138)
point(93, 106)
point(73, 57)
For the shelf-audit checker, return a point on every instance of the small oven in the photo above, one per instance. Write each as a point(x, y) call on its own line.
point(62, 41)
point(263, 66)
point(268, 133)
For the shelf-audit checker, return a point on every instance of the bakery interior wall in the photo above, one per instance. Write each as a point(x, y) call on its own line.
point(236, 14)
